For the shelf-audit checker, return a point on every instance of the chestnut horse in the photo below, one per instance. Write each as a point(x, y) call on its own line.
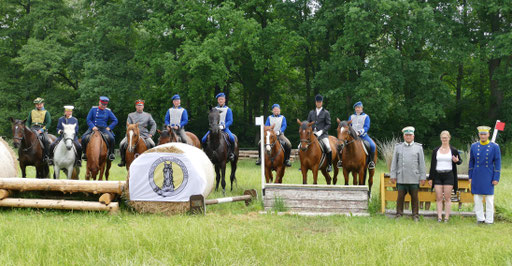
point(135, 143)
point(30, 152)
point(97, 157)
point(274, 156)
point(310, 154)
point(169, 135)
point(350, 147)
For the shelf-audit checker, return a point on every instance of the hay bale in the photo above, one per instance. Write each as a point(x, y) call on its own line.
point(8, 166)
point(205, 176)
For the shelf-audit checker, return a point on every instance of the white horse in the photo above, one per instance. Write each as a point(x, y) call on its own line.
point(8, 160)
point(65, 155)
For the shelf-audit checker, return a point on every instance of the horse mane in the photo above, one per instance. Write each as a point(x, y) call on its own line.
point(351, 131)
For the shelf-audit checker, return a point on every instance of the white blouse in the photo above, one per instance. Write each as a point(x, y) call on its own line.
point(444, 161)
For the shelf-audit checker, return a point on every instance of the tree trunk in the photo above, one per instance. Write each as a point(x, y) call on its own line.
point(458, 88)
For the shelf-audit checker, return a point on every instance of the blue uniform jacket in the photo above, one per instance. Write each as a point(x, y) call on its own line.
point(100, 118)
point(283, 124)
point(66, 121)
point(183, 121)
point(484, 167)
point(366, 125)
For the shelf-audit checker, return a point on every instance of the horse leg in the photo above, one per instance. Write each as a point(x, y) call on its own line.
point(217, 177)
point(327, 176)
point(354, 176)
point(268, 175)
point(370, 182)
point(23, 170)
point(346, 175)
point(70, 171)
point(56, 171)
point(335, 177)
point(280, 174)
point(362, 176)
point(315, 175)
point(304, 174)
point(102, 170)
point(232, 177)
point(223, 178)
point(107, 171)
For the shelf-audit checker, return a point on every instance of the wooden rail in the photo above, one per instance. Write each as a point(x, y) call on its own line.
point(388, 193)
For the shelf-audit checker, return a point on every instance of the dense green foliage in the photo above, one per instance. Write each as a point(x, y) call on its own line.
point(431, 64)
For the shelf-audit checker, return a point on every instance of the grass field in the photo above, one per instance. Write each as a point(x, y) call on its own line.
point(235, 234)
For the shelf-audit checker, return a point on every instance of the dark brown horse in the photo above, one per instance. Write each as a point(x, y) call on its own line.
point(274, 156)
point(97, 157)
point(30, 152)
point(217, 150)
point(310, 154)
point(169, 135)
point(350, 147)
point(135, 143)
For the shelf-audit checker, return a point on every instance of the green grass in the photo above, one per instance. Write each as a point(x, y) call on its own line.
point(234, 234)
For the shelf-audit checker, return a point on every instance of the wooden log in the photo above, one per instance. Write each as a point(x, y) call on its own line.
point(64, 185)
point(4, 193)
point(59, 204)
point(107, 198)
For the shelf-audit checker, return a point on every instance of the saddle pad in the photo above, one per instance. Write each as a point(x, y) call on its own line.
point(364, 147)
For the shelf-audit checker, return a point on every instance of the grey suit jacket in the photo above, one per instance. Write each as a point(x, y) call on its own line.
point(408, 165)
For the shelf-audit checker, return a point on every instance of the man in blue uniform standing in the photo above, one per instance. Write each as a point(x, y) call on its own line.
point(361, 124)
point(226, 120)
point(67, 119)
point(98, 119)
point(280, 126)
point(176, 118)
point(484, 174)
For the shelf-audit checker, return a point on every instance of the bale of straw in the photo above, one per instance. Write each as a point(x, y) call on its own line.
point(8, 166)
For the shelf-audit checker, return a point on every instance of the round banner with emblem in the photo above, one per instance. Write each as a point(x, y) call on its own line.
point(171, 173)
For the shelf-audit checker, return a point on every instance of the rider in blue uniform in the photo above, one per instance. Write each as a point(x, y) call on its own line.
point(177, 118)
point(67, 119)
point(279, 122)
point(226, 119)
point(98, 119)
point(361, 124)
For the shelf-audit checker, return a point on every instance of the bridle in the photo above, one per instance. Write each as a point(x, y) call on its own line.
point(271, 146)
point(22, 138)
point(307, 141)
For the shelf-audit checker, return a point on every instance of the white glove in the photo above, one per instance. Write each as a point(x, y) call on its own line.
point(221, 127)
point(360, 132)
point(319, 133)
point(60, 132)
point(278, 133)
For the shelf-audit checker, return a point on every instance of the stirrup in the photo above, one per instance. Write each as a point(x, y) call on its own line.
point(329, 168)
point(111, 157)
point(339, 165)
point(258, 162)
point(78, 163)
point(371, 165)
point(50, 161)
point(121, 164)
point(231, 156)
point(287, 163)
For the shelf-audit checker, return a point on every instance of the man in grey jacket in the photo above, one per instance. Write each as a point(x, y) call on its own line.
point(408, 171)
point(145, 120)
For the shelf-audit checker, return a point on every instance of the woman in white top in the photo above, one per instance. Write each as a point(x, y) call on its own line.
point(443, 174)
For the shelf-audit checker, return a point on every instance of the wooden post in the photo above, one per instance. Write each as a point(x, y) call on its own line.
point(63, 185)
point(59, 204)
point(107, 198)
point(4, 193)
point(382, 194)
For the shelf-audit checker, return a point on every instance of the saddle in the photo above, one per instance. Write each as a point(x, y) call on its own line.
point(366, 146)
point(226, 138)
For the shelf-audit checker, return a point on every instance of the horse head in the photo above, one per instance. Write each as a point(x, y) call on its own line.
point(173, 136)
point(270, 138)
point(69, 135)
point(305, 133)
point(132, 135)
point(18, 129)
point(213, 120)
point(346, 134)
point(164, 136)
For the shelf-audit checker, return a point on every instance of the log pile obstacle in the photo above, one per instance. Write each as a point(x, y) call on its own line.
point(317, 199)
point(108, 190)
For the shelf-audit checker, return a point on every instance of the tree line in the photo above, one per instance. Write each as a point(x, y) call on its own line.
point(434, 65)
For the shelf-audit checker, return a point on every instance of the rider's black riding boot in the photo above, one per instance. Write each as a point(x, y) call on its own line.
point(287, 152)
point(50, 157)
point(122, 152)
point(329, 161)
point(111, 151)
point(258, 161)
point(371, 164)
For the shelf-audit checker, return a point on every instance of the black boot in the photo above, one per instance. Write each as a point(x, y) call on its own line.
point(78, 161)
point(287, 152)
point(122, 152)
point(328, 157)
point(231, 154)
point(371, 164)
point(111, 151)
point(50, 156)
